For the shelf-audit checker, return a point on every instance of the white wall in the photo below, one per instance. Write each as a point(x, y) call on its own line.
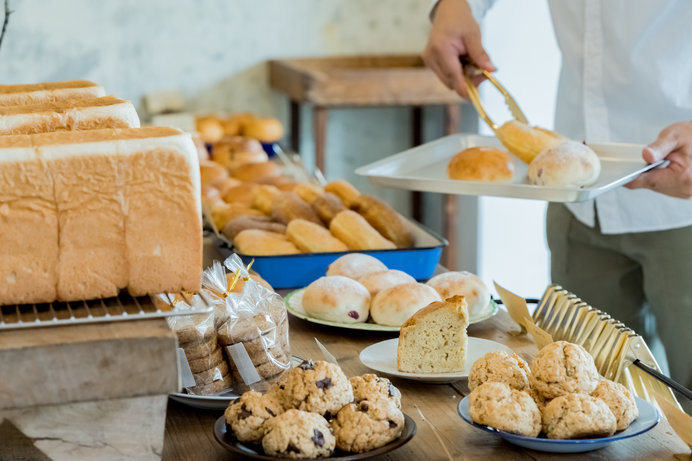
point(519, 38)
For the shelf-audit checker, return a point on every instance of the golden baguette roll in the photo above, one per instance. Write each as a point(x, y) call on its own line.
point(526, 141)
point(263, 197)
point(224, 212)
point(308, 192)
point(327, 206)
point(234, 151)
point(254, 172)
point(481, 163)
point(257, 242)
point(385, 220)
point(344, 190)
point(313, 238)
point(289, 206)
point(209, 128)
point(352, 229)
point(239, 223)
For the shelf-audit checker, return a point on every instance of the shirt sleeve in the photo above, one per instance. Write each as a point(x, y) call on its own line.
point(478, 8)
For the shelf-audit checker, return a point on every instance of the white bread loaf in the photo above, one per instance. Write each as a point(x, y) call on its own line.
point(434, 339)
point(34, 93)
point(338, 299)
point(393, 306)
point(108, 209)
point(76, 113)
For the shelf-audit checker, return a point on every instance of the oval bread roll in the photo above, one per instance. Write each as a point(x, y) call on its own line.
point(257, 242)
point(241, 194)
point(327, 206)
point(352, 229)
point(568, 164)
point(338, 299)
point(395, 305)
point(289, 206)
point(209, 128)
point(253, 172)
point(385, 220)
point(308, 192)
point(211, 173)
point(264, 129)
point(481, 163)
point(355, 266)
point(465, 284)
point(239, 223)
point(233, 151)
point(222, 213)
point(525, 141)
point(313, 238)
point(344, 190)
point(378, 281)
point(263, 197)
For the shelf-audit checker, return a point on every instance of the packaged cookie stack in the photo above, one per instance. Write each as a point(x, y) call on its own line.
point(315, 409)
point(252, 326)
point(560, 394)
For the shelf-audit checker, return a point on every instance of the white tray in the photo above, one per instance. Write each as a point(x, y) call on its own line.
point(424, 168)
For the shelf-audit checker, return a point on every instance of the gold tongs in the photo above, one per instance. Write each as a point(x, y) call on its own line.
point(470, 69)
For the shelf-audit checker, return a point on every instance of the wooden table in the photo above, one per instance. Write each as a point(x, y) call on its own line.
point(189, 433)
point(329, 83)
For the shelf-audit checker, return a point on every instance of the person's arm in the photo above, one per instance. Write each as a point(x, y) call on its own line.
point(455, 33)
point(675, 145)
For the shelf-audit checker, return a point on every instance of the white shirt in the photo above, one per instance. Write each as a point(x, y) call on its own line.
point(626, 75)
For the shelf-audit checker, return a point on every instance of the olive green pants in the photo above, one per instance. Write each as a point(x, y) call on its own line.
point(642, 279)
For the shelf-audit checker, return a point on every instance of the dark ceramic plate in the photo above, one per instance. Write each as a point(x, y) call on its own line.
point(255, 451)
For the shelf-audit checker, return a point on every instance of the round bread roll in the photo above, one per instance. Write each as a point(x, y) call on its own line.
point(378, 281)
point(344, 190)
point(222, 213)
point(212, 173)
point(481, 163)
point(337, 299)
point(620, 401)
point(234, 151)
point(327, 206)
point(465, 284)
point(263, 197)
point(256, 242)
point(578, 416)
point(393, 306)
point(264, 129)
point(562, 368)
point(226, 185)
point(241, 194)
point(501, 407)
point(209, 128)
point(355, 266)
point(253, 172)
point(525, 141)
point(308, 192)
point(570, 164)
point(289, 206)
point(385, 220)
point(313, 238)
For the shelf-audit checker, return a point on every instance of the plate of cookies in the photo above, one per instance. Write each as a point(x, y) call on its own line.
point(559, 403)
point(315, 411)
point(360, 292)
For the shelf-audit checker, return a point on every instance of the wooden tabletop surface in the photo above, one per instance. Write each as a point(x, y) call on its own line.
point(189, 432)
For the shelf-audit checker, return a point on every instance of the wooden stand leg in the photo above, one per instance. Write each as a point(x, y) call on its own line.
point(416, 140)
point(319, 126)
point(295, 126)
point(451, 122)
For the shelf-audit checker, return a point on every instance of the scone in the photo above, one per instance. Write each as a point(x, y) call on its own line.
point(500, 367)
point(378, 281)
point(246, 416)
point(355, 266)
point(499, 406)
point(298, 435)
point(462, 283)
point(570, 164)
point(563, 368)
point(578, 416)
point(369, 386)
point(367, 424)
point(620, 401)
point(395, 305)
point(319, 387)
point(338, 299)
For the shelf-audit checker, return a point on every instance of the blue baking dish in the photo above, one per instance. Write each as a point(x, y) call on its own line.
point(299, 270)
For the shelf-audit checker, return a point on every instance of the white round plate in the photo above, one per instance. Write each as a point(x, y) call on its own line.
point(216, 401)
point(294, 305)
point(381, 357)
point(648, 418)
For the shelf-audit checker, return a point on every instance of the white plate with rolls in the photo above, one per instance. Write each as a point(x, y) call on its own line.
point(382, 357)
point(294, 306)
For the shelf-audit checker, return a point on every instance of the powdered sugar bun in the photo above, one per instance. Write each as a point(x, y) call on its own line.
point(395, 305)
point(337, 299)
point(355, 266)
point(378, 281)
point(465, 284)
point(570, 163)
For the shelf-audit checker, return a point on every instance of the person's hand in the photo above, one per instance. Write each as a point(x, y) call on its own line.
point(455, 33)
point(675, 145)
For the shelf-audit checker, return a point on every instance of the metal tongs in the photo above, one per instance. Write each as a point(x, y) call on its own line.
point(470, 69)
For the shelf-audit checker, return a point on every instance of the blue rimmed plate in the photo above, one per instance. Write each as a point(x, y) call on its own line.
point(648, 418)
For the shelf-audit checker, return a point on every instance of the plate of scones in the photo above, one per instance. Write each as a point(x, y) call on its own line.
point(315, 411)
point(559, 403)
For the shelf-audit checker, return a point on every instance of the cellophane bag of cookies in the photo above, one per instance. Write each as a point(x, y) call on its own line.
point(205, 370)
point(254, 335)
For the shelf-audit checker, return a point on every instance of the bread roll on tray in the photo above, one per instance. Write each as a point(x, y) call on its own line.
point(355, 266)
point(242, 222)
point(352, 229)
point(308, 192)
point(378, 281)
point(570, 164)
point(481, 163)
point(338, 299)
point(263, 129)
point(289, 206)
point(263, 197)
point(224, 212)
point(393, 306)
point(385, 220)
point(36, 93)
point(465, 284)
point(526, 141)
point(209, 128)
point(255, 242)
point(234, 151)
point(327, 206)
point(212, 173)
point(254, 172)
point(313, 238)
point(344, 190)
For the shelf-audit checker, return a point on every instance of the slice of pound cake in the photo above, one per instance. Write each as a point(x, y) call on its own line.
point(434, 339)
